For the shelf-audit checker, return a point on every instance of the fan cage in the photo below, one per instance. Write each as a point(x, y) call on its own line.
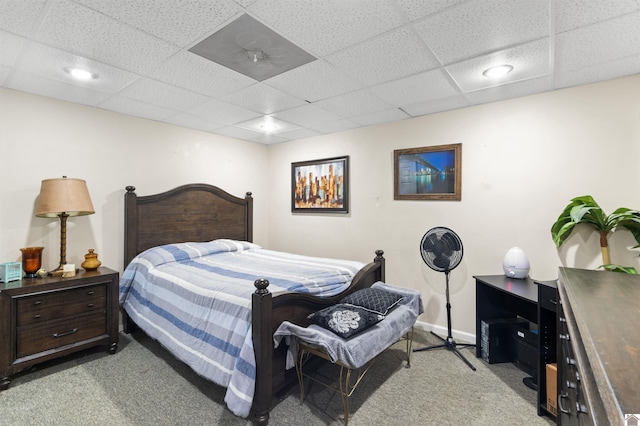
point(441, 249)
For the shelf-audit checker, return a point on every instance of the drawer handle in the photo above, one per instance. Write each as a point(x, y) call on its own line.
point(564, 337)
point(581, 408)
point(553, 301)
point(37, 302)
point(562, 409)
point(571, 361)
point(91, 305)
point(91, 293)
point(571, 385)
point(37, 316)
point(66, 333)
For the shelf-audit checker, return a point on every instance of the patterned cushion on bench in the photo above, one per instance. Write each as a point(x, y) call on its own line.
point(345, 320)
point(373, 299)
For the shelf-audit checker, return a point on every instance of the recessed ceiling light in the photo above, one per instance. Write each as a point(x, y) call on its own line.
point(268, 125)
point(497, 71)
point(81, 74)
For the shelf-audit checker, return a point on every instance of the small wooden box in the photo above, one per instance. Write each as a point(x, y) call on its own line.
point(552, 383)
point(10, 271)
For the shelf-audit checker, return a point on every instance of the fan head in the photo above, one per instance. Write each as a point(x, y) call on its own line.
point(441, 249)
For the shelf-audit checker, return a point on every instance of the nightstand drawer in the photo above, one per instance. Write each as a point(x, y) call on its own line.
point(51, 306)
point(53, 334)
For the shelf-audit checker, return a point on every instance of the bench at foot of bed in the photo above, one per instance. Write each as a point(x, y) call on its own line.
point(356, 353)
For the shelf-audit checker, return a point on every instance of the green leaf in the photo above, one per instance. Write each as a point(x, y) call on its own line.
point(618, 268)
point(582, 209)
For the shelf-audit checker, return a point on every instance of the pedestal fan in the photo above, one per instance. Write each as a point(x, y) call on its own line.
point(441, 250)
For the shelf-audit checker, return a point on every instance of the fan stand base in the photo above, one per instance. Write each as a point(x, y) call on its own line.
point(450, 344)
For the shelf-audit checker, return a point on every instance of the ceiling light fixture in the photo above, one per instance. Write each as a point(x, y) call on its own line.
point(81, 74)
point(269, 126)
point(497, 71)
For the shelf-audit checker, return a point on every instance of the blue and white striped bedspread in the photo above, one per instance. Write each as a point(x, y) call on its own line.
point(195, 299)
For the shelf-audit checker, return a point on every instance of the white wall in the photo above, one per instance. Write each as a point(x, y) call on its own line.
point(43, 138)
point(522, 161)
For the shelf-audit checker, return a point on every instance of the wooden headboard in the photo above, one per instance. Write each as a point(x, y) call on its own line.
point(195, 212)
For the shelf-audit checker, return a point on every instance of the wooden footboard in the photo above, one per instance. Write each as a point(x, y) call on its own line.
point(269, 312)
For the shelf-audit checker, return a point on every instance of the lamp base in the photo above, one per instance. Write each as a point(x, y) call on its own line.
point(59, 271)
point(56, 273)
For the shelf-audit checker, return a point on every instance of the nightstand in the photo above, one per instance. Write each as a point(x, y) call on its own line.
point(46, 318)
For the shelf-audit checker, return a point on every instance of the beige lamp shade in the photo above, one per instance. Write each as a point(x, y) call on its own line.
point(64, 195)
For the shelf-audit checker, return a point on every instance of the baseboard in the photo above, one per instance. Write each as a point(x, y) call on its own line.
point(458, 336)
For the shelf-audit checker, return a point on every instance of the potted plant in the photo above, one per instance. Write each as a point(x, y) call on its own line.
point(585, 210)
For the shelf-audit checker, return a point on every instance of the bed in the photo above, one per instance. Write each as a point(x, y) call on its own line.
point(202, 213)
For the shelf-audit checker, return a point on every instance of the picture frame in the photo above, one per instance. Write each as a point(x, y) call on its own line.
point(428, 173)
point(320, 186)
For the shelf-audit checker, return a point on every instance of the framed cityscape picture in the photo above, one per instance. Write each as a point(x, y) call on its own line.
point(320, 185)
point(428, 173)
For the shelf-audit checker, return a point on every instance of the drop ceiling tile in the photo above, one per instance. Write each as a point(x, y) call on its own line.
point(245, 3)
point(513, 90)
point(19, 16)
point(483, 26)
point(598, 43)
point(136, 108)
point(251, 48)
point(84, 31)
point(269, 139)
point(179, 22)
point(529, 60)
point(263, 99)
point(573, 14)
point(416, 9)
point(600, 72)
point(437, 105)
point(354, 103)
point(194, 122)
point(52, 63)
point(300, 134)
point(391, 56)
point(32, 83)
point(307, 115)
point(324, 27)
point(314, 81)
point(381, 117)
point(195, 73)
point(429, 85)
point(223, 112)
point(335, 126)
point(12, 47)
point(164, 95)
point(239, 133)
point(4, 74)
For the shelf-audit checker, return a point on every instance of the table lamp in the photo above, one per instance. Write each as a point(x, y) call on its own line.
point(63, 197)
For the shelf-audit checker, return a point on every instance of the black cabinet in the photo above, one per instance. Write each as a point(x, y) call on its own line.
point(502, 298)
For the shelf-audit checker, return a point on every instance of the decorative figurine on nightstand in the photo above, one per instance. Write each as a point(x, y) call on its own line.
point(91, 262)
